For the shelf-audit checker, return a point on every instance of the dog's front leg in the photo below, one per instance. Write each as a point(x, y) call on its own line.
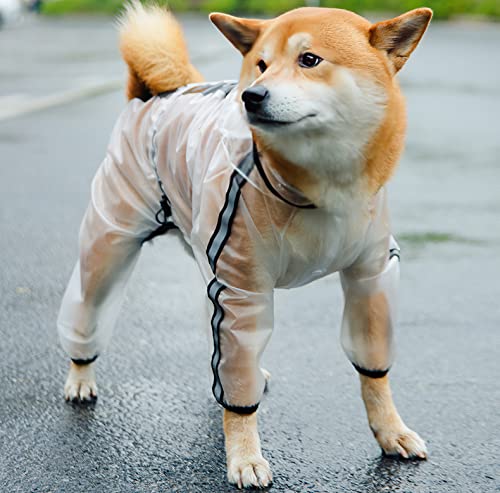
point(391, 433)
point(240, 337)
point(370, 289)
point(245, 465)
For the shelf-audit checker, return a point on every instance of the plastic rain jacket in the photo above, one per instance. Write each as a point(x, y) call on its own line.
point(194, 145)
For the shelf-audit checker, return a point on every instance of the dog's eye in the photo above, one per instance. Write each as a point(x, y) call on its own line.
point(262, 66)
point(309, 60)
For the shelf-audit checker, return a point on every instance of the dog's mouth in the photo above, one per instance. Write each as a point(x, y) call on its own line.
point(260, 120)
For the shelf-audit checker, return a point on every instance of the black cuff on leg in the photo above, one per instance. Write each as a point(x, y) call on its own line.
point(83, 362)
point(371, 373)
point(240, 409)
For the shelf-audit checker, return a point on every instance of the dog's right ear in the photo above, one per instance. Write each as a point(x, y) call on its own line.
point(241, 32)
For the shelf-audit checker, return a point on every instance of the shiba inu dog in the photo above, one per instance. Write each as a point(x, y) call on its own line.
point(273, 181)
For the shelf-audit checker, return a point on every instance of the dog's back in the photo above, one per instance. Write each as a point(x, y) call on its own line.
point(153, 46)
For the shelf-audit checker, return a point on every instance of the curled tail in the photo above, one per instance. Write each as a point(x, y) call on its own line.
point(153, 46)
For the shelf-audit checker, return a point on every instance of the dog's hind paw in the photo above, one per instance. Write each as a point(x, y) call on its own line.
point(80, 385)
point(266, 374)
point(267, 377)
point(404, 443)
point(250, 473)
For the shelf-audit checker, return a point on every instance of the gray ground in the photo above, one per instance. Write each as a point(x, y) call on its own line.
point(155, 426)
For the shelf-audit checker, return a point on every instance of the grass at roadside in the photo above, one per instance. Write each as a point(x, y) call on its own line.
point(442, 8)
point(435, 237)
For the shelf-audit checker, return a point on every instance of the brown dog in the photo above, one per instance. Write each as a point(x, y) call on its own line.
point(326, 119)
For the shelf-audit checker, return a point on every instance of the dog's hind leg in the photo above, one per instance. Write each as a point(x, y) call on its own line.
point(267, 377)
point(80, 384)
point(92, 302)
point(116, 221)
point(93, 299)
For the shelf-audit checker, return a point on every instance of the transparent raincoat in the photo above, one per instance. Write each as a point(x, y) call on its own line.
point(191, 151)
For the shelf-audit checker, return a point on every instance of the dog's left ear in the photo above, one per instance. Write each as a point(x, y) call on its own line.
point(398, 37)
point(241, 32)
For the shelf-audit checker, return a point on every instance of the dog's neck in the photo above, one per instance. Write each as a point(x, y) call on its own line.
point(279, 175)
point(310, 177)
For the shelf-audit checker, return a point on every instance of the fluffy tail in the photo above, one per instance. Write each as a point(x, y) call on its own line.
point(153, 46)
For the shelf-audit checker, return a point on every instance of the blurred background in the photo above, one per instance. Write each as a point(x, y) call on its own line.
point(156, 426)
point(443, 9)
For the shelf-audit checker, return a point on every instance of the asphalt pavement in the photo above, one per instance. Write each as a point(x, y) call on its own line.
point(155, 427)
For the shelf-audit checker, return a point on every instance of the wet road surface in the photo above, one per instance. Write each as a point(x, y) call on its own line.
point(155, 426)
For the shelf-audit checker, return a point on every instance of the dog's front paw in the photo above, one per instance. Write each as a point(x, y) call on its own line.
point(402, 442)
point(80, 385)
point(249, 472)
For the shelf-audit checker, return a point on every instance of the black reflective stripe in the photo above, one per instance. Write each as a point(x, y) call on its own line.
point(371, 373)
point(214, 248)
point(82, 362)
point(269, 185)
point(166, 222)
point(163, 218)
point(226, 216)
point(164, 214)
point(395, 252)
point(160, 230)
point(241, 409)
point(214, 290)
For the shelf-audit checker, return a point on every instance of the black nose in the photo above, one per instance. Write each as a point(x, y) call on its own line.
point(253, 97)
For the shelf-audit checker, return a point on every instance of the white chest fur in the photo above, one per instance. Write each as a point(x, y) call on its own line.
point(320, 241)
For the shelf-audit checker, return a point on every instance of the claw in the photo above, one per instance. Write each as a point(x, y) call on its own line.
point(250, 473)
point(80, 385)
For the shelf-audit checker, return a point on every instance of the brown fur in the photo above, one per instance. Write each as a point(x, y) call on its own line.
point(136, 88)
point(378, 51)
point(153, 46)
point(399, 37)
point(389, 430)
point(347, 40)
point(245, 463)
point(385, 149)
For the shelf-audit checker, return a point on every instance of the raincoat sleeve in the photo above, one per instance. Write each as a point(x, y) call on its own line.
point(241, 325)
point(234, 260)
point(370, 288)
